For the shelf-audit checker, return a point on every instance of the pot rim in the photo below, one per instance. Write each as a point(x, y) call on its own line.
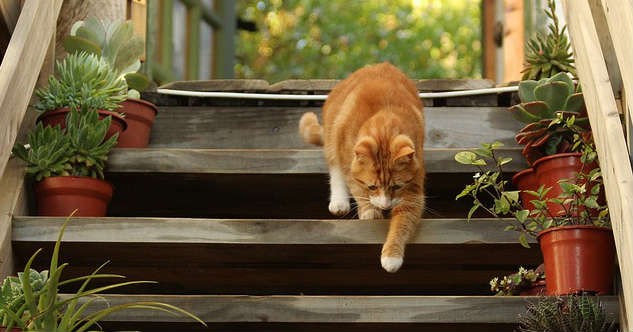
point(555, 156)
point(144, 102)
point(516, 177)
point(588, 227)
point(115, 116)
point(79, 177)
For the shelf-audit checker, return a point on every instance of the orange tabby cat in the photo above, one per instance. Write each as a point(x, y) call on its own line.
point(373, 137)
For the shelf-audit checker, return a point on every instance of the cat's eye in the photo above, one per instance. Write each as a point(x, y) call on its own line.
point(396, 187)
point(372, 188)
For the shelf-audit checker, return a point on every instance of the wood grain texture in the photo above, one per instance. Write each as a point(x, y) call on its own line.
point(277, 127)
point(209, 161)
point(236, 231)
point(21, 67)
point(234, 85)
point(607, 131)
point(332, 309)
point(11, 200)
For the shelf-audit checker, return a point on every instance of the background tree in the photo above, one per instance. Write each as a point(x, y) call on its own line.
point(330, 39)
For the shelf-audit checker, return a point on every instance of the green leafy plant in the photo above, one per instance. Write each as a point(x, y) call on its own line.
point(572, 313)
point(580, 195)
point(78, 150)
point(12, 292)
point(83, 81)
point(116, 43)
point(549, 54)
point(547, 107)
point(516, 282)
point(48, 152)
point(36, 305)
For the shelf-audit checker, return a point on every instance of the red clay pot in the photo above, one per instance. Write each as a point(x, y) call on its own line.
point(539, 288)
point(578, 258)
point(58, 117)
point(61, 195)
point(140, 115)
point(526, 180)
point(551, 169)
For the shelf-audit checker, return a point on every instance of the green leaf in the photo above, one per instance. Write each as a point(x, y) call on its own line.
point(554, 94)
point(129, 53)
point(564, 78)
point(510, 228)
point(595, 190)
point(472, 210)
point(521, 114)
point(522, 215)
point(137, 81)
point(75, 44)
point(526, 91)
point(486, 153)
point(502, 206)
point(465, 157)
point(575, 103)
point(539, 109)
point(511, 196)
point(523, 240)
point(591, 202)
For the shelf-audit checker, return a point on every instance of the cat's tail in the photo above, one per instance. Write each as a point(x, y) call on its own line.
point(310, 129)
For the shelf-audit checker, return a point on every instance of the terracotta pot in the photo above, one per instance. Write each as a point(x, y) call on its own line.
point(61, 195)
point(539, 288)
point(551, 169)
point(140, 116)
point(58, 117)
point(578, 258)
point(526, 180)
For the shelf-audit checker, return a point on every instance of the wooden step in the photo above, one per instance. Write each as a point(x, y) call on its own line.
point(333, 309)
point(198, 256)
point(214, 127)
point(249, 161)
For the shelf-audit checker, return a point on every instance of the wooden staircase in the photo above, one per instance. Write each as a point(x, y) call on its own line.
point(227, 210)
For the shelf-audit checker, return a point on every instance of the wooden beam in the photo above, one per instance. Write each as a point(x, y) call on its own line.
point(606, 44)
point(220, 127)
point(618, 14)
point(203, 161)
point(166, 34)
point(246, 231)
point(10, 10)
point(21, 67)
point(331, 309)
point(608, 135)
point(224, 40)
point(513, 40)
point(138, 15)
point(489, 22)
point(193, 42)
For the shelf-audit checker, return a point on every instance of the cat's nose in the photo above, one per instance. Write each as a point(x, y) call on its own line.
point(381, 202)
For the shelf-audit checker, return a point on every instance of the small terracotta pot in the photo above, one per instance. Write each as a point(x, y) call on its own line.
point(551, 169)
point(526, 180)
point(140, 115)
point(61, 195)
point(58, 117)
point(539, 288)
point(578, 258)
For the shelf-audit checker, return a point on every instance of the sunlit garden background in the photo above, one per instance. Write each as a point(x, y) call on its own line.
point(330, 39)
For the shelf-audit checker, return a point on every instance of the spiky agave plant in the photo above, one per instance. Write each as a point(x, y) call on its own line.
point(83, 81)
point(549, 54)
point(572, 313)
point(47, 154)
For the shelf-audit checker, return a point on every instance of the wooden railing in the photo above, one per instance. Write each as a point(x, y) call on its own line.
point(29, 56)
point(160, 36)
point(601, 33)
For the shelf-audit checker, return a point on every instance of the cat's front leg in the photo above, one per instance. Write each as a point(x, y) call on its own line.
point(339, 195)
point(403, 225)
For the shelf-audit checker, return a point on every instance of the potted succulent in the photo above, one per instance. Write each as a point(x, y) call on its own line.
point(67, 165)
point(116, 43)
point(577, 246)
point(524, 282)
point(570, 313)
point(33, 302)
point(83, 81)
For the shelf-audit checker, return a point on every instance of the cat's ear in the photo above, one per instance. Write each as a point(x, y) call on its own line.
point(404, 155)
point(365, 148)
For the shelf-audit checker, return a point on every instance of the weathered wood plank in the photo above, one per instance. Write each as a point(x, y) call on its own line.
point(332, 309)
point(607, 128)
point(277, 127)
point(234, 85)
point(21, 66)
point(266, 161)
point(282, 231)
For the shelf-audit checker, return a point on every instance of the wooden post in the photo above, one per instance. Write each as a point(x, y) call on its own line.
point(608, 135)
point(166, 34)
point(138, 15)
point(193, 41)
point(490, 46)
point(224, 40)
point(513, 40)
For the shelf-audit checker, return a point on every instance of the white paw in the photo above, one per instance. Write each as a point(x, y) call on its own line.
point(339, 207)
point(391, 264)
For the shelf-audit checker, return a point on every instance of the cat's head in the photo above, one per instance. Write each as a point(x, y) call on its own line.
point(385, 168)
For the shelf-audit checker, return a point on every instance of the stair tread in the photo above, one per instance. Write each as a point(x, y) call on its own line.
point(333, 309)
point(256, 231)
point(267, 161)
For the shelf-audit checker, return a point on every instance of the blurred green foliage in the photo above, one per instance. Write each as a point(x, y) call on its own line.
point(330, 39)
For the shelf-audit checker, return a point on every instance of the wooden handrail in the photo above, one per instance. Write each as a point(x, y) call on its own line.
point(21, 67)
point(606, 125)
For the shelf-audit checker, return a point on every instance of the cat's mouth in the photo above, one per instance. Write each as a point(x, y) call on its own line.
point(383, 203)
